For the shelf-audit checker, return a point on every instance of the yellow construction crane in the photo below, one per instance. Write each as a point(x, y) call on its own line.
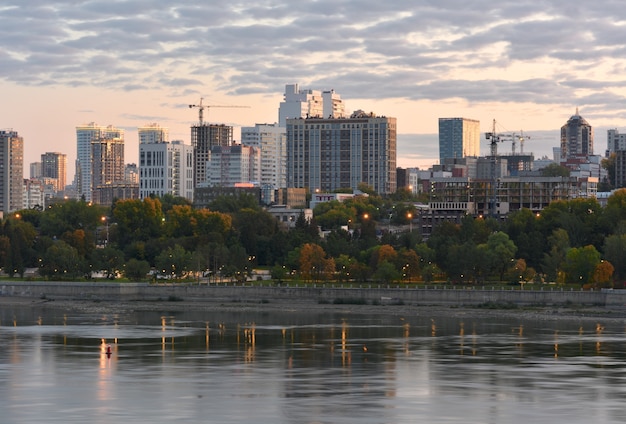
point(201, 108)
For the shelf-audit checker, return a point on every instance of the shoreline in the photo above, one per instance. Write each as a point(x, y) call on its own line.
point(551, 313)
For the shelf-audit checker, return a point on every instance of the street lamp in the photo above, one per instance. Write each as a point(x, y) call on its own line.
point(106, 222)
point(410, 218)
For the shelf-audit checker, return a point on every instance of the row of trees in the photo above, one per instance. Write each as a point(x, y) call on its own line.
point(570, 241)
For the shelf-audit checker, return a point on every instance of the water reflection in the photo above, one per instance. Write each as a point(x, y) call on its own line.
point(301, 368)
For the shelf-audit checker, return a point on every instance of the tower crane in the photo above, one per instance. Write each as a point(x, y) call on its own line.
point(201, 108)
point(494, 138)
point(521, 138)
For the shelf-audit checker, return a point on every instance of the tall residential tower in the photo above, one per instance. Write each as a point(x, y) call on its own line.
point(164, 167)
point(85, 135)
point(329, 154)
point(11, 171)
point(458, 138)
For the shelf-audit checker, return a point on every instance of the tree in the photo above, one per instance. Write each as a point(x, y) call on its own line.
point(615, 253)
point(503, 250)
point(62, 261)
point(580, 264)
point(108, 259)
point(17, 250)
point(555, 170)
point(554, 259)
point(138, 220)
point(314, 264)
point(175, 262)
point(386, 272)
point(136, 269)
point(603, 273)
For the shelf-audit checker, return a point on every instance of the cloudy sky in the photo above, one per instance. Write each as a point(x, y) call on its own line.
point(526, 64)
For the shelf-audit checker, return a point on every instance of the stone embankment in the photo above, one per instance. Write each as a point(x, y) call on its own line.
point(318, 293)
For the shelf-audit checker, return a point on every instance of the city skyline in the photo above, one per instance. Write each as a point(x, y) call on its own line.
point(528, 65)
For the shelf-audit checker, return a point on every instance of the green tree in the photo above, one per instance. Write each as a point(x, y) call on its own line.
point(555, 170)
point(175, 262)
point(136, 269)
point(18, 251)
point(386, 272)
point(109, 260)
point(502, 250)
point(138, 220)
point(615, 253)
point(62, 261)
point(580, 264)
point(554, 259)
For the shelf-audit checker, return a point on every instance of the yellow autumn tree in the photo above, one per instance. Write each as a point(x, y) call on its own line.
point(314, 265)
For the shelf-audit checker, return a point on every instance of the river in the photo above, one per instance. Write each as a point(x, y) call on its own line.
point(307, 367)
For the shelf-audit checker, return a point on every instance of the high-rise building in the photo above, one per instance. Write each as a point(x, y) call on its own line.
point(309, 104)
point(107, 161)
point(166, 168)
point(329, 154)
point(11, 171)
point(54, 166)
point(84, 136)
point(203, 138)
point(231, 166)
point(458, 138)
point(271, 140)
point(35, 170)
point(615, 141)
point(153, 133)
point(576, 139)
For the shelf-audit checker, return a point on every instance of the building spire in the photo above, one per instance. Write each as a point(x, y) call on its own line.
point(576, 110)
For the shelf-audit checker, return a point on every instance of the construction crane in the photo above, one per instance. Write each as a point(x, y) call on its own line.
point(494, 138)
point(201, 108)
point(521, 138)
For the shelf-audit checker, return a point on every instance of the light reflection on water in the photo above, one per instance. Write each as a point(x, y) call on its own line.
point(273, 367)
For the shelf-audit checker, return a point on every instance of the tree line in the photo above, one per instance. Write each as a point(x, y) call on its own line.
point(366, 238)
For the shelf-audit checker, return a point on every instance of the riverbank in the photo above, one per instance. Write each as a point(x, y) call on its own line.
point(550, 313)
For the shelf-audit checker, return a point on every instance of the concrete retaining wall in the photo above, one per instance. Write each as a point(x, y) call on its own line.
point(326, 293)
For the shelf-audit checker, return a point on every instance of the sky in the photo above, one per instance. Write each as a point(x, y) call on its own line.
point(527, 64)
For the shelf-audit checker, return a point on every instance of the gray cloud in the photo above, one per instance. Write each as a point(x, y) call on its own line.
point(412, 50)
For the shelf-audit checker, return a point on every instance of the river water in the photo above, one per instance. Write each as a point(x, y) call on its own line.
point(286, 367)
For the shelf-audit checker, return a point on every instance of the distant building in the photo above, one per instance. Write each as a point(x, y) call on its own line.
point(576, 139)
point(54, 166)
point(203, 138)
point(11, 171)
point(458, 138)
point(289, 216)
point(231, 165)
point(301, 103)
point(33, 194)
point(329, 154)
point(164, 167)
point(35, 170)
point(271, 140)
point(153, 133)
point(85, 135)
point(203, 196)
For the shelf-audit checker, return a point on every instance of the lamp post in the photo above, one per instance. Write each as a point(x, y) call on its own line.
point(410, 218)
point(106, 223)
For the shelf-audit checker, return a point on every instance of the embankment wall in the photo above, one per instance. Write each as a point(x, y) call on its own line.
point(309, 293)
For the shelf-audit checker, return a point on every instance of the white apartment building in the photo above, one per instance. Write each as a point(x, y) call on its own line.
point(301, 103)
point(231, 166)
point(85, 135)
point(33, 194)
point(166, 168)
point(271, 140)
point(153, 133)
